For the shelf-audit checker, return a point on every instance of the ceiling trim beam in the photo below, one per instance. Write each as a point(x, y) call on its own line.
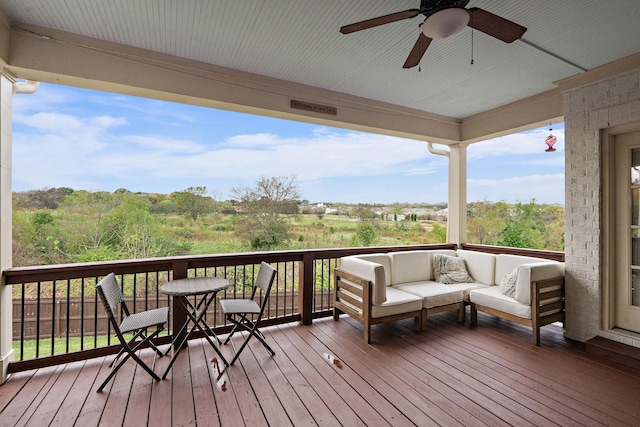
point(4, 38)
point(49, 55)
point(604, 72)
point(529, 113)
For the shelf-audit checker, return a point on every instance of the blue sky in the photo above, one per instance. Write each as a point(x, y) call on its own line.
point(96, 141)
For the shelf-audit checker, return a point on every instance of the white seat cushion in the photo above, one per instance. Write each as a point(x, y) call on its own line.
point(397, 302)
point(467, 287)
point(433, 294)
point(492, 297)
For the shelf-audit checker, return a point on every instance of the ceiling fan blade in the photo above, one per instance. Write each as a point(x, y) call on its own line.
point(494, 25)
point(417, 52)
point(380, 20)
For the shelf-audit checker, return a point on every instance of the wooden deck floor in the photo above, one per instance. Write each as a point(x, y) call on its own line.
point(324, 374)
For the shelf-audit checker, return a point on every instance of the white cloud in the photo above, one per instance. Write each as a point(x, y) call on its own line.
point(542, 188)
point(61, 140)
point(164, 145)
point(85, 148)
point(518, 144)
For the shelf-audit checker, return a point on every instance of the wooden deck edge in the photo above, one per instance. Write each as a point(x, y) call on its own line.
point(614, 351)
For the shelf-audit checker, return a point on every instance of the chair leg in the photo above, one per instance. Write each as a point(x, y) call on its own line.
point(461, 313)
point(261, 338)
point(367, 332)
point(233, 331)
point(144, 337)
point(536, 336)
point(253, 331)
point(130, 352)
point(113, 371)
point(115, 359)
point(473, 314)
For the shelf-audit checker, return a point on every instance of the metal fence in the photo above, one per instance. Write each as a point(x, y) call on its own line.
point(57, 317)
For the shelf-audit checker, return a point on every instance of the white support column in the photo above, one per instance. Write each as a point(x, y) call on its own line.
point(457, 223)
point(457, 191)
point(6, 335)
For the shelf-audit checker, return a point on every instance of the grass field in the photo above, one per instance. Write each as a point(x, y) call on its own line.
point(209, 235)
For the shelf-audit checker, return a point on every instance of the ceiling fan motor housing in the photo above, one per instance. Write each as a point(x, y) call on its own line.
point(429, 7)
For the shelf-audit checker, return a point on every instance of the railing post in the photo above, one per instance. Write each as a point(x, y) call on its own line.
point(305, 288)
point(177, 309)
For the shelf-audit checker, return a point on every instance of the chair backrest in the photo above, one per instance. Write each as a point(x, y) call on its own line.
point(110, 294)
point(264, 281)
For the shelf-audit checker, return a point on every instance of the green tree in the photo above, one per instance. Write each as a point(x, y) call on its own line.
point(364, 212)
point(440, 233)
point(46, 238)
point(365, 235)
point(485, 222)
point(45, 198)
point(192, 202)
point(265, 211)
point(87, 221)
point(524, 228)
point(66, 190)
point(512, 235)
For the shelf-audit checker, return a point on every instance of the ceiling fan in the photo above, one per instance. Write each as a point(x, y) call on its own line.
point(444, 18)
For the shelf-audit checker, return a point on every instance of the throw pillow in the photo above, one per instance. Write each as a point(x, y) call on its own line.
point(508, 283)
point(450, 269)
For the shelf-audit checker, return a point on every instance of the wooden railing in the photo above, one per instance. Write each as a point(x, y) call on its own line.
point(551, 255)
point(58, 318)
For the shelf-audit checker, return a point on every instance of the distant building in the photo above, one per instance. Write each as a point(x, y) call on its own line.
point(442, 214)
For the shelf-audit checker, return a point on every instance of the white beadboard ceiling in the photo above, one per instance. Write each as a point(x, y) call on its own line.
point(299, 41)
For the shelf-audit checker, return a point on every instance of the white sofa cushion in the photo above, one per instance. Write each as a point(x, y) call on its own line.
point(371, 271)
point(492, 297)
point(382, 259)
point(397, 302)
point(433, 294)
point(505, 264)
point(532, 272)
point(480, 265)
point(414, 266)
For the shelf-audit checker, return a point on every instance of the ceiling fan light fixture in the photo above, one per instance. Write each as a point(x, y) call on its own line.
point(445, 23)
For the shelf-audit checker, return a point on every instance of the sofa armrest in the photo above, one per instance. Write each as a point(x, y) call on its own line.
point(535, 272)
point(368, 271)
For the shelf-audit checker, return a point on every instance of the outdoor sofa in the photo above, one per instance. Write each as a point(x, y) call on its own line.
point(383, 287)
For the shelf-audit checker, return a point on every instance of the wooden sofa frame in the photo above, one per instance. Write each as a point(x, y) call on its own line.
point(541, 292)
point(347, 296)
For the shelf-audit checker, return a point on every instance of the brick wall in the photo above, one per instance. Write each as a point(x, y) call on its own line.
point(587, 111)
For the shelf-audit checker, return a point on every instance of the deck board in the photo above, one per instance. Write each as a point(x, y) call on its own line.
point(576, 375)
point(375, 368)
point(431, 392)
point(314, 383)
point(203, 398)
point(539, 375)
point(325, 374)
